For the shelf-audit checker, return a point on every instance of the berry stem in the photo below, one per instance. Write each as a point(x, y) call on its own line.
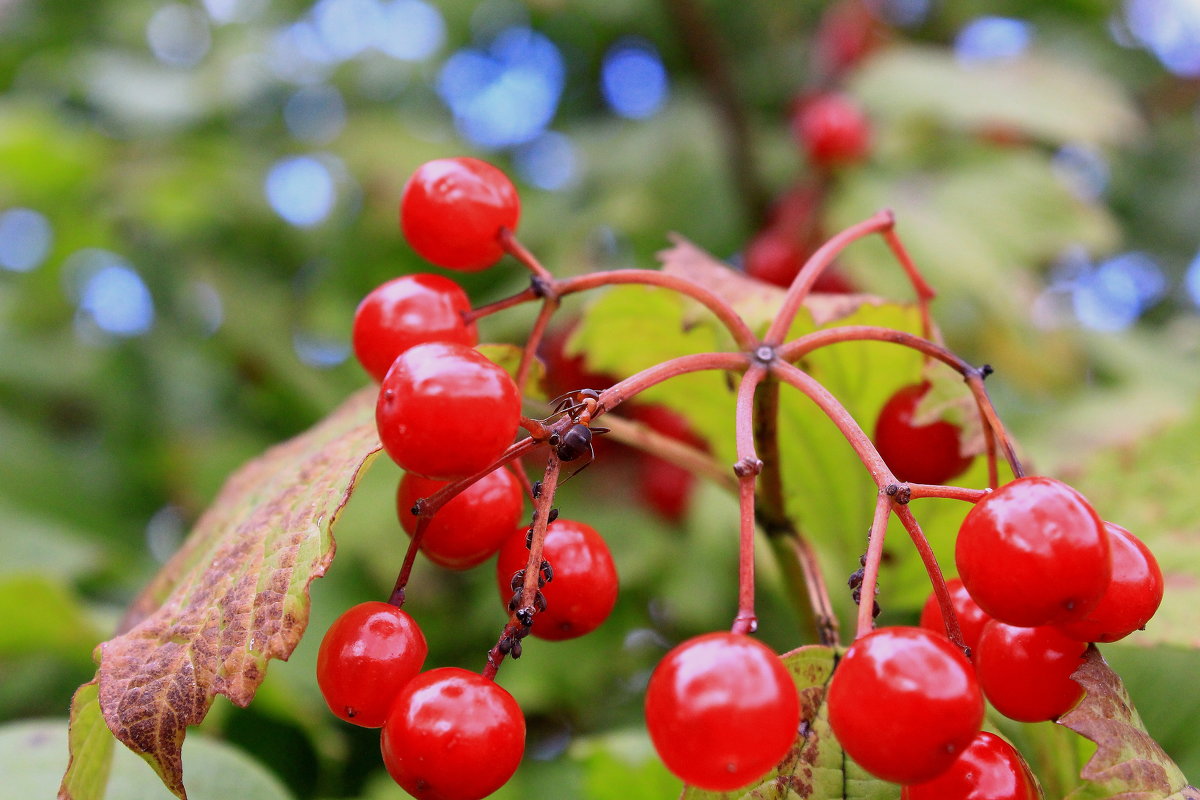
point(920, 490)
point(796, 557)
point(866, 603)
point(428, 506)
point(746, 469)
point(517, 299)
point(992, 420)
point(639, 382)
point(549, 306)
point(925, 292)
point(508, 240)
point(724, 312)
point(812, 269)
point(953, 629)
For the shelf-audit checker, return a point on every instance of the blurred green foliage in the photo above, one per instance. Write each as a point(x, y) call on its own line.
point(110, 446)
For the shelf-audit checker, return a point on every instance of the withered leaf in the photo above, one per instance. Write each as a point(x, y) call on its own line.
point(236, 594)
point(816, 767)
point(1128, 764)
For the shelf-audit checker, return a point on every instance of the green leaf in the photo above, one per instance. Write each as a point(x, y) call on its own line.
point(1146, 487)
point(41, 616)
point(91, 749)
point(816, 768)
point(32, 751)
point(623, 765)
point(1035, 95)
point(1128, 763)
point(236, 594)
point(508, 356)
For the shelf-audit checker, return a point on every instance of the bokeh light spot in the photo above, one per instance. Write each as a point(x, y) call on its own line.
point(634, 79)
point(301, 190)
point(992, 39)
point(179, 35)
point(25, 237)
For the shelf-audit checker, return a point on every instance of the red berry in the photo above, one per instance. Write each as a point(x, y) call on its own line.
point(832, 129)
point(1026, 672)
point(848, 33)
point(1132, 596)
point(407, 311)
point(445, 411)
point(472, 526)
point(773, 256)
point(971, 618)
point(366, 657)
point(453, 209)
point(722, 710)
point(583, 589)
point(918, 453)
point(903, 703)
point(989, 769)
point(1033, 552)
point(453, 735)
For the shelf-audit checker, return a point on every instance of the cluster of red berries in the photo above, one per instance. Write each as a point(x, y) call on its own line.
point(1041, 575)
point(446, 413)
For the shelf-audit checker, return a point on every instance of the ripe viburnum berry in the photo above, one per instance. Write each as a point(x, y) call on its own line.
point(1034, 552)
point(408, 311)
point(472, 526)
point(583, 590)
point(453, 210)
point(446, 411)
point(1026, 672)
point(929, 453)
point(452, 735)
point(721, 710)
point(366, 657)
point(832, 129)
point(903, 703)
point(1132, 596)
point(988, 769)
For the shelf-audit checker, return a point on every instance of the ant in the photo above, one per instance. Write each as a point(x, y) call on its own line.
point(578, 437)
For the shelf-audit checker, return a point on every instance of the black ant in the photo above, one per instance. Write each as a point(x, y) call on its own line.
point(577, 439)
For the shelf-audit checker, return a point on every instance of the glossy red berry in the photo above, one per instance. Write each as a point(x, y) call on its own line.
point(408, 311)
point(930, 453)
point(1034, 552)
point(1026, 672)
point(368, 654)
point(1132, 596)
point(583, 588)
point(453, 209)
point(446, 411)
point(453, 735)
point(472, 526)
point(971, 618)
point(722, 710)
point(903, 703)
point(989, 769)
point(832, 129)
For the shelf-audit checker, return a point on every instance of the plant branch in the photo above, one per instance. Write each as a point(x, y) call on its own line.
point(706, 51)
point(866, 599)
point(746, 469)
point(953, 629)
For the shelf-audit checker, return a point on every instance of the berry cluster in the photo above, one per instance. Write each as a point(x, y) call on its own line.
point(1041, 574)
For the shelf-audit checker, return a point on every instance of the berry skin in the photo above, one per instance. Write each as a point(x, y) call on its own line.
point(1033, 552)
point(583, 590)
point(971, 618)
point(366, 657)
point(918, 453)
point(408, 311)
point(989, 769)
point(472, 526)
point(1026, 672)
point(453, 735)
point(721, 709)
point(832, 130)
point(446, 411)
point(1131, 598)
point(453, 209)
point(903, 703)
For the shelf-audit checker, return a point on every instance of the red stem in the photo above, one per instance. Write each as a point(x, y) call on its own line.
point(917, 491)
point(953, 630)
point(925, 292)
point(747, 468)
point(639, 382)
point(817, 263)
point(866, 598)
point(508, 240)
